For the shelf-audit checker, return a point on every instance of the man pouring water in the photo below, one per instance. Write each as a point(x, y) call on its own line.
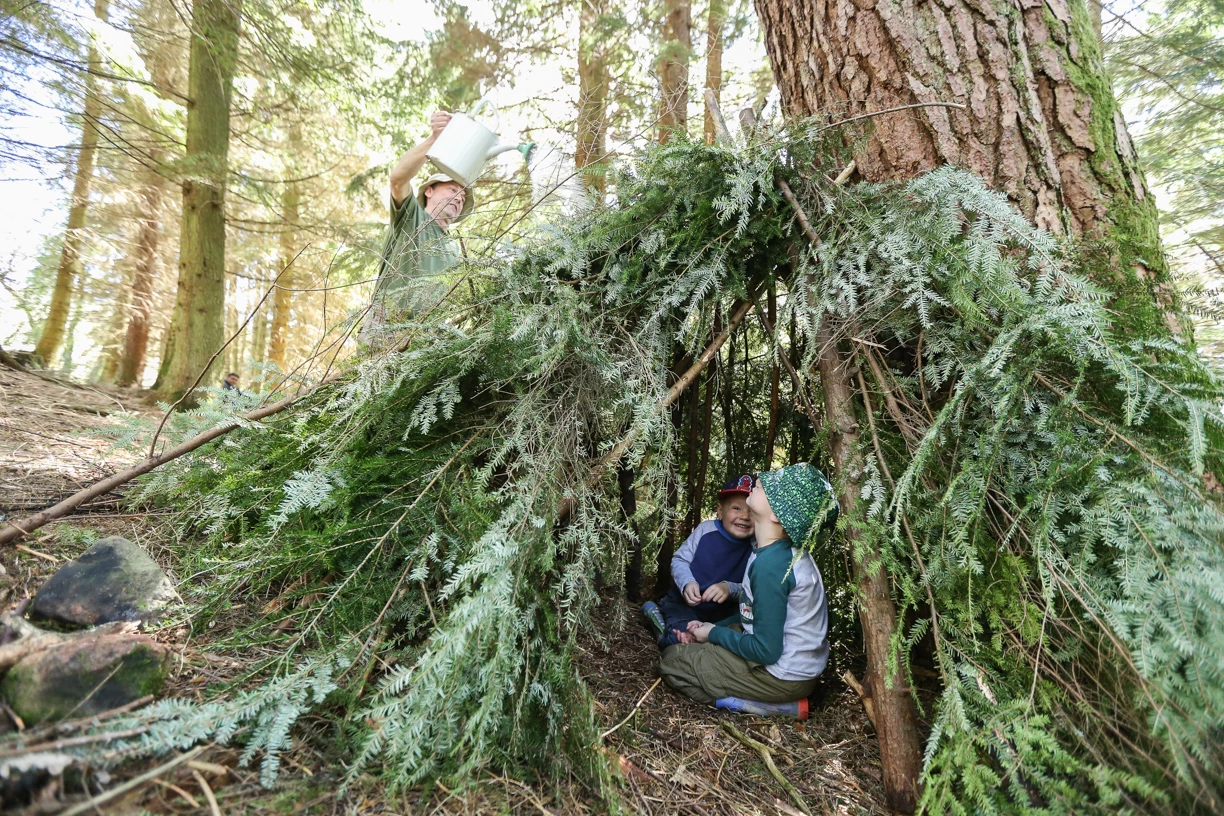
point(418, 248)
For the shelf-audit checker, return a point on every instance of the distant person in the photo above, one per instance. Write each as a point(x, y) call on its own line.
point(707, 569)
point(418, 248)
point(773, 650)
point(230, 383)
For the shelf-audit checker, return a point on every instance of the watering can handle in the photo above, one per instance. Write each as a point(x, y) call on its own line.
point(496, 114)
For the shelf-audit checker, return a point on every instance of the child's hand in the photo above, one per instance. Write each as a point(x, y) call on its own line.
point(700, 631)
point(717, 593)
point(691, 593)
point(683, 637)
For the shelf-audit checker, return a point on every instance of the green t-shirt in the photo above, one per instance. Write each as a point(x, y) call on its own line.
point(416, 253)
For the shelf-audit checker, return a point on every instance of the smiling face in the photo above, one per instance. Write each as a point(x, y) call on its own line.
point(444, 202)
point(735, 517)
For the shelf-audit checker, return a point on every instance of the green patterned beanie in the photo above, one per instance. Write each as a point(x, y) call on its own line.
point(802, 499)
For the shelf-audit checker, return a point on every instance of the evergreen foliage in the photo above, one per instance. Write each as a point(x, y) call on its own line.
point(1036, 487)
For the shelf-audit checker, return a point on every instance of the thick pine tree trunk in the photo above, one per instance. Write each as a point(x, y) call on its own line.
point(592, 124)
point(199, 305)
point(674, 67)
point(52, 336)
point(717, 17)
point(1039, 122)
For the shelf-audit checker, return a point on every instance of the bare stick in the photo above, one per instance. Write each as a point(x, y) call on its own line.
point(633, 710)
point(18, 529)
point(720, 125)
point(103, 798)
point(767, 756)
point(873, 114)
point(208, 792)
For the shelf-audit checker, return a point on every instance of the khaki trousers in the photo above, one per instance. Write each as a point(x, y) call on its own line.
point(706, 672)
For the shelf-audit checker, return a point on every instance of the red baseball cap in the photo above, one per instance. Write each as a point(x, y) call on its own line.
point(737, 486)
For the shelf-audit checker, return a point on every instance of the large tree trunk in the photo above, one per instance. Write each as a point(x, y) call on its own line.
point(674, 67)
point(136, 339)
point(1039, 122)
point(592, 125)
point(196, 333)
point(52, 336)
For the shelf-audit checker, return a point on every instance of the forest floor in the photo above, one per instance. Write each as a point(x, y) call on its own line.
point(674, 756)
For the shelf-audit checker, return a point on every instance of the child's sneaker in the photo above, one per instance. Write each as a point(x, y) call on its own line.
point(651, 610)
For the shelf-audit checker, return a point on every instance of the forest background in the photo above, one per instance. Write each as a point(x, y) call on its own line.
point(327, 94)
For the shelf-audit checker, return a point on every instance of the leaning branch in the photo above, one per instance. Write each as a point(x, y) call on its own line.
point(18, 529)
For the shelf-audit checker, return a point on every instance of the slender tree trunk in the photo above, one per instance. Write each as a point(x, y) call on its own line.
point(196, 332)
point(895, 721)
point(1039, 122)
point(69, 343)
point(592, 125)
point(69, 270)
point(771, 433)
point(136, 340)
point(674, 67)
point(291, 200)
point(714, 53)
point(259, 332)
point(707, 416)
point(693, 461)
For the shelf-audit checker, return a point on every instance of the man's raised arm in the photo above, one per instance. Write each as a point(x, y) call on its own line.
point(411, 162)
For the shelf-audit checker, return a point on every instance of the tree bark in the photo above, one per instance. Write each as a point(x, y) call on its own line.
point(52, 336)
point(895, 720)
point(592, 125)
point(674, 67)
point(198, 330)
point(1039, 122)
point(136, 338)
point(282, 299)
point(717, 17)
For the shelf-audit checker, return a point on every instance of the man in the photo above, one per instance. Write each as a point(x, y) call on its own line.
point(230, 383)
point(418, 248)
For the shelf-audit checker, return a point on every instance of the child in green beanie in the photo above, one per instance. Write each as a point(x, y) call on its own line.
point(777, 645)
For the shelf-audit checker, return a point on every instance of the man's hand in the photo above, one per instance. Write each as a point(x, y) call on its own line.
point(438, 122)
point(700, 631)
point(717, 593)
point(691, 593)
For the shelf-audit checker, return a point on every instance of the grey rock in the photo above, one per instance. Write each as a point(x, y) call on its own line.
point(114, 580)
point(85, 676)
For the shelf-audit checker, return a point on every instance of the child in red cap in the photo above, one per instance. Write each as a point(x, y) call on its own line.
point(707, 569)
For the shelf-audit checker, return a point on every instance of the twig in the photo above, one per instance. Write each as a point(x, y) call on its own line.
point(873, 114)
point(103, 798)
point(208, 792)
point(37, 554)
point(632, 711)
point(766, 755)
point(187, 797)
point(868, 703)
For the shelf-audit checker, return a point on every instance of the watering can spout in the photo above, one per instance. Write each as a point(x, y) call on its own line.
point(497, 150)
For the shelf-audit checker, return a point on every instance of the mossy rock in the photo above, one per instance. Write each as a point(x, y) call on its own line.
point(86, 676)
point(114, 580)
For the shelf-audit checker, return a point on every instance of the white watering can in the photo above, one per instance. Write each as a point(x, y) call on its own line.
point(464, 146)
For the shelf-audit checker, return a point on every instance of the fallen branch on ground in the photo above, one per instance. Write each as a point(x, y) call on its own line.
point(767, 755)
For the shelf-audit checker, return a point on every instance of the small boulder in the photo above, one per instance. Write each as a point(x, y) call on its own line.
point(88, 675)
point(114, 580)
